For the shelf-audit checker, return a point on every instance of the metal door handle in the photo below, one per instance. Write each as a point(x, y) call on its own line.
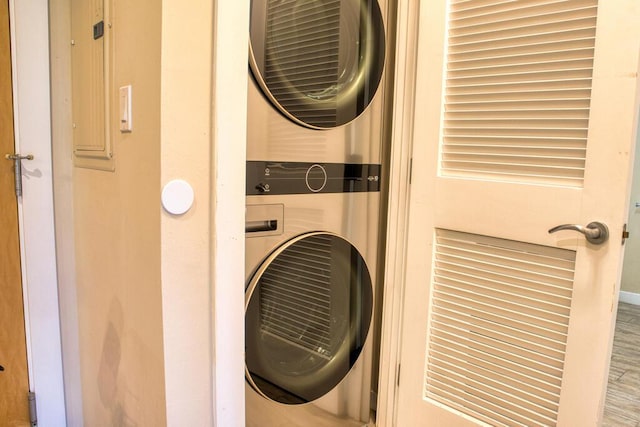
point(17, 170)
point(595, 232)
point(261, 226)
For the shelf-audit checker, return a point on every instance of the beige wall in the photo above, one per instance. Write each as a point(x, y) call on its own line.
point(152, 303)
point(186, 150)
point(113, 324)
point(203, 141)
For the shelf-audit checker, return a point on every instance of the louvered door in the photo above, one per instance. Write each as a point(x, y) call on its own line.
point(525, 118)
point(518, 90)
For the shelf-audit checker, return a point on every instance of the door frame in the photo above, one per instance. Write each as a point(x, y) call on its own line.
point(31, 90)
point(405, 69)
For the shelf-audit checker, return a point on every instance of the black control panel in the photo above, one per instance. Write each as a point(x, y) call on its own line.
point(264, 178)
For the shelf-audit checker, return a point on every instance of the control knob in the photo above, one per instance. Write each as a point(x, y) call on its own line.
point(316, 178)
point(263, 188)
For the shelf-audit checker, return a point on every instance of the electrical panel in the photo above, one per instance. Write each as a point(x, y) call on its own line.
point(91, 83)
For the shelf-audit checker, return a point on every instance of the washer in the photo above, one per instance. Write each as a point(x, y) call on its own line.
point(311, 271)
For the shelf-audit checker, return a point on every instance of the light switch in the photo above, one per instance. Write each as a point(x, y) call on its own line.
point(126, 123)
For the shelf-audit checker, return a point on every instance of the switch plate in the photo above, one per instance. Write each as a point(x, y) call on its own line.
point(125, 117)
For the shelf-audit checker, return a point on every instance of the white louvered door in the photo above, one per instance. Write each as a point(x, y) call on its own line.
point(525, 118)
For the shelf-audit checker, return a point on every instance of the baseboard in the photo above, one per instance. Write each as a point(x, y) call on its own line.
point(629, 297)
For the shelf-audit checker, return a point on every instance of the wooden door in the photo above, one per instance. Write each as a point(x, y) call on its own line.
point(525, 119)
point(14, 382)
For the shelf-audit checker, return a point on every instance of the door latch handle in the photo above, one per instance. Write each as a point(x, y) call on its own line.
point(595, 232)
point(17, 170)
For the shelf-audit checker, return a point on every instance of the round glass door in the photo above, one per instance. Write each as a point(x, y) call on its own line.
point(308, 311)
point(319, 61)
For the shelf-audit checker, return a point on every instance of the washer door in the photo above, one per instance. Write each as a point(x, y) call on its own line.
point(308, 311)
point(319, 61)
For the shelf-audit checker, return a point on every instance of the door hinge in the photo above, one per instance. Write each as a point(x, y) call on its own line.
point(398, 376)
point(410, 169)
point(33, 413)
point(625, 233)
point(17, 170)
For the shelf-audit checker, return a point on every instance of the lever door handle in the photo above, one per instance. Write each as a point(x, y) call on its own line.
point(595, 232)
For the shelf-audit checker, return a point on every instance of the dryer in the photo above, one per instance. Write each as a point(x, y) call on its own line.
point(311, 263)
point(314, 153)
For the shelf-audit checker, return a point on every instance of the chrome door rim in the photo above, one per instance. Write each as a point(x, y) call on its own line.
point(355, 87)
point(346, 348)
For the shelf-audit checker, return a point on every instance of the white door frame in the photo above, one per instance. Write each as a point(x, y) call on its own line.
point(398, 212)
point(31, 90)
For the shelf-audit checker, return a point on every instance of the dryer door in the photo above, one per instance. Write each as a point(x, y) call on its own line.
point(308, 311)
point(319, 61)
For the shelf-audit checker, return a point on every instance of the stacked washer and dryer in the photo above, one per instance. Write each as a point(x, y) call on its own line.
point(314, 154)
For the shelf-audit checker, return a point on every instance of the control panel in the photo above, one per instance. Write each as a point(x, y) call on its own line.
point(265, 178)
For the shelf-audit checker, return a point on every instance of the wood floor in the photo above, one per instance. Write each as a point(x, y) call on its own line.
point(622, 406)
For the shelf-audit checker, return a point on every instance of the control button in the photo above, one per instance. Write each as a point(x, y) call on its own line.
point(263, 188)
point(316, 178)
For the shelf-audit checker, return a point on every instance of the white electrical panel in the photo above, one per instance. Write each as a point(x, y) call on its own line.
point(91, 35)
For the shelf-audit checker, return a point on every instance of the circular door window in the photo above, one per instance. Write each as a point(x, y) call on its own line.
point(319, 61)
point(308, 311)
